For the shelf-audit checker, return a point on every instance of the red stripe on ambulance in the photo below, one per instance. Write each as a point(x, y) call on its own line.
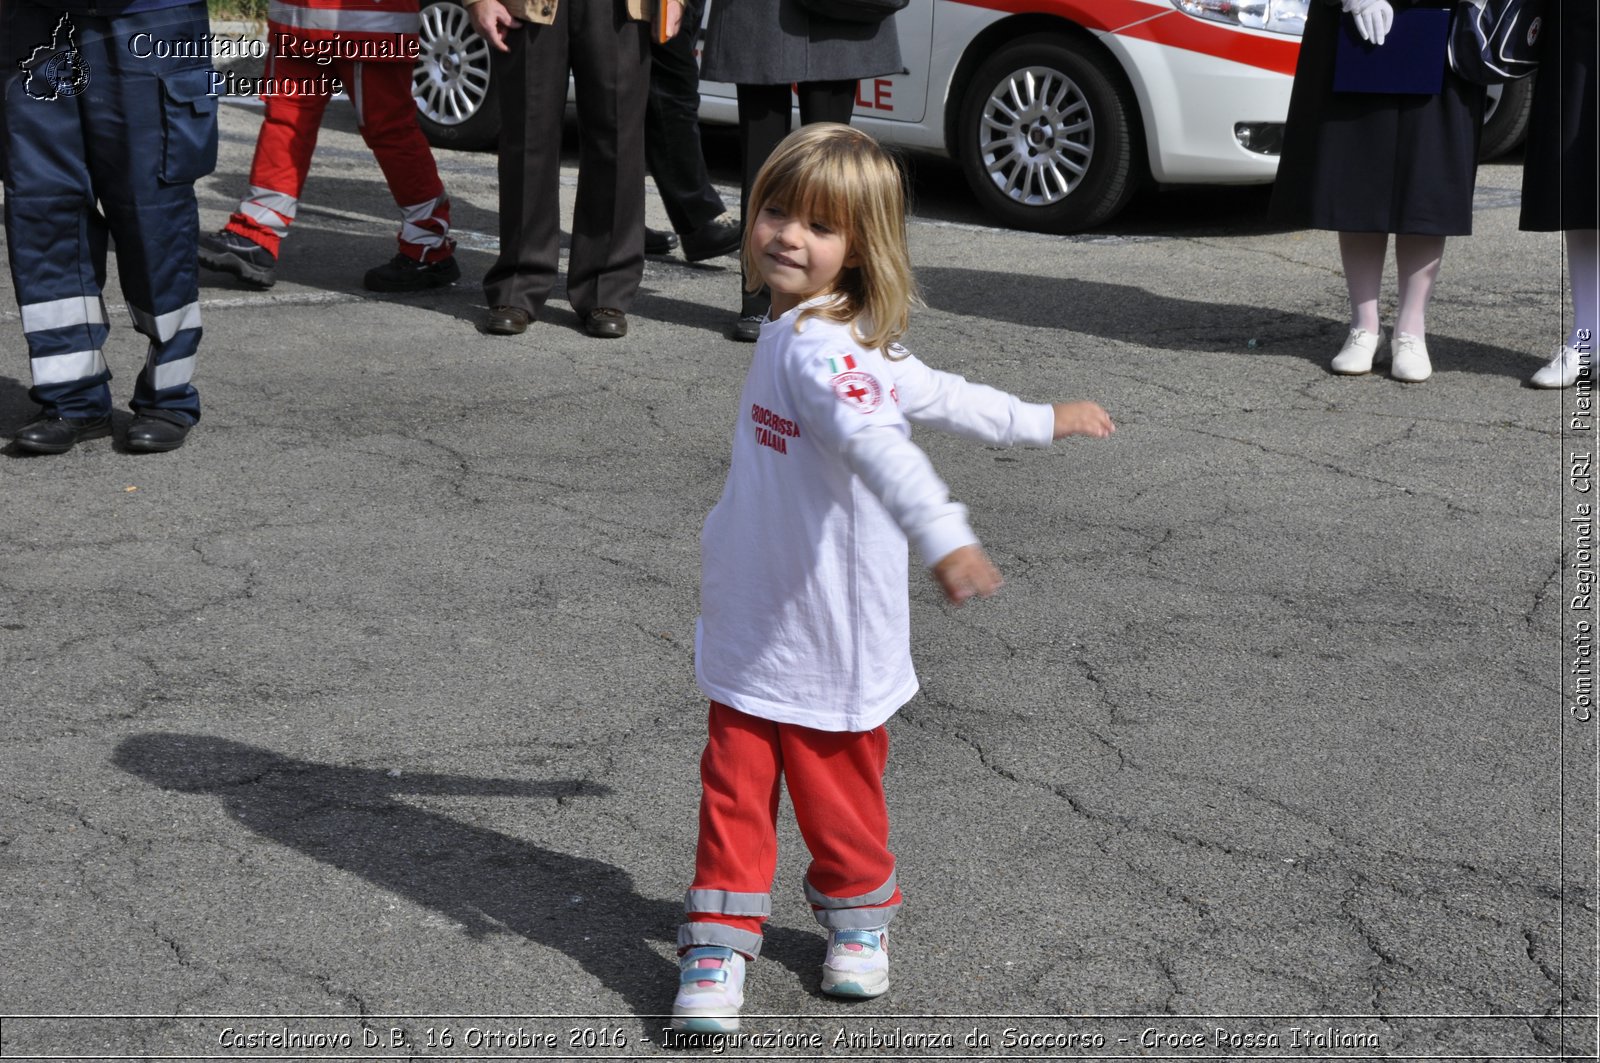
point(1168, 27)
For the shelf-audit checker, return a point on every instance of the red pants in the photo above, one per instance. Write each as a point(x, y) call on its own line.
point(387, 116)
point(835, 781)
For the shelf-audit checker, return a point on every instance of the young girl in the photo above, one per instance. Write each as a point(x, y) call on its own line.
point(803, 643)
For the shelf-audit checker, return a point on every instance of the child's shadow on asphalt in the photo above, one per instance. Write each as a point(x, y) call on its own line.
point(349, 818)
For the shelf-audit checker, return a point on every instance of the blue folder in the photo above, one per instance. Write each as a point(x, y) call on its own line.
point(1410, 61)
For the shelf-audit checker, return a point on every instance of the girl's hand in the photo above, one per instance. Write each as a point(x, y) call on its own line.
point(966, 571)
point(1082, 419)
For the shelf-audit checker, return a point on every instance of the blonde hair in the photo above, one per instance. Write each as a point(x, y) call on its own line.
point(844, 179)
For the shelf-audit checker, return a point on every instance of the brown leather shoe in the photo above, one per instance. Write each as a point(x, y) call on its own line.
point(605, 323)
point(507, 321)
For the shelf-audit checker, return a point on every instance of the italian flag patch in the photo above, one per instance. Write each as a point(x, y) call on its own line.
point(841, 364)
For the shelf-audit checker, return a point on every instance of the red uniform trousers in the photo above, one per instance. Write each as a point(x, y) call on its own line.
point(835, 781)
point(381, 92)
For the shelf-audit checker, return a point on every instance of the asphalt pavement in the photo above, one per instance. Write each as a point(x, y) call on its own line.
point(365, 725)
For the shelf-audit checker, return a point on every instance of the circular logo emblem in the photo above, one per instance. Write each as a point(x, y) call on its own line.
point(67, 73)
point(1533, 30)
point(860, 390)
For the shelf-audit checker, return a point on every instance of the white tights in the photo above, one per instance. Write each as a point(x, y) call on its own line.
point(1417, 258)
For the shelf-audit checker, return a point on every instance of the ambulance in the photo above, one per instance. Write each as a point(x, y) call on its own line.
point(1056, 110)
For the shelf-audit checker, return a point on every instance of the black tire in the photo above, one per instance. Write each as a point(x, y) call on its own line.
point(1505, 117)
point(453, 81)
point(1028, 167)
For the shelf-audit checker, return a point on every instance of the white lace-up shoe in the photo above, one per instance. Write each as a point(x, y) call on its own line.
point(1562, 372)
point(1355, 357)
point(1410, 358)
point(710, 990)
point(857, 963)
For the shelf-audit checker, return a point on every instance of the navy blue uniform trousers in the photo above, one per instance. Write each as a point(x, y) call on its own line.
point(108, 122)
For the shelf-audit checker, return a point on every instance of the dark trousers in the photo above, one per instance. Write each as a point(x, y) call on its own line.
point(672, 129)
point(610, 62)
point(104, 134)
point(764, 117)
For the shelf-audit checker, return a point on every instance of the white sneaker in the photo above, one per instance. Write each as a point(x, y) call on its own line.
point(1410, 358)
point(857, 963)
point(1562, 372)
point(710, 990)
point(1355, 357)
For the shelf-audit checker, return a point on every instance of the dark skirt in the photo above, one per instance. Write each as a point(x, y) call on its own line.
point(1374, 162)
point(779, 42)
point(1558, 178)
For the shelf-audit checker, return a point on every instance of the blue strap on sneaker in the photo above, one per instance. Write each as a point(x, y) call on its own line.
point(709, 998)
point(692, 973)
point(703, 974)
point(866, 938)
point(856, 964)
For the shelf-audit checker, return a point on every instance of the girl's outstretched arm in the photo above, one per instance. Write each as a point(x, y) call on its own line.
point(898, 472)
point(951, 403)
point(903, 479)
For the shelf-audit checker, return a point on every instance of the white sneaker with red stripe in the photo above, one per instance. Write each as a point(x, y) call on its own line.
point(857, 963)
point(710, 990)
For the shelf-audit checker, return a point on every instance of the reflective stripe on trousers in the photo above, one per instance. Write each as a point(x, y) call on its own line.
point(386, 115)
point(132, 137)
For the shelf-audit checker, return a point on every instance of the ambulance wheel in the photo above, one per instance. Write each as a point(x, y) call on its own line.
point(1046, 136)
point(1506, 108)
point(452, 80)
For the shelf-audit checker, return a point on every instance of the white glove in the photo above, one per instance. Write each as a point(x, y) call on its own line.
point(1373, 18)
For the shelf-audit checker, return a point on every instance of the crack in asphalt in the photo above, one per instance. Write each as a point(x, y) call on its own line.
point(1552, 580)
point(1329, 870)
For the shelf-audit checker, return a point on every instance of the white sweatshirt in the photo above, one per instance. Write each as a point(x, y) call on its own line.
point(804, 610)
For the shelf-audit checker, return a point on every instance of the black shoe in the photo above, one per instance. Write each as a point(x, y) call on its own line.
point(659, 241)
point(402, 273)
point(49, 434)
point(721, 235)
point(156, 431)
point(747, 329)
point(605, 323)
point(228, 252)
point(507, 321)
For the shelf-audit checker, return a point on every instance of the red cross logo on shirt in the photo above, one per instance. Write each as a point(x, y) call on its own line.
point(859, 390)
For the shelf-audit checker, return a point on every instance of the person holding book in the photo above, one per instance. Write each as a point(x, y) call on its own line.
point(1382, 137)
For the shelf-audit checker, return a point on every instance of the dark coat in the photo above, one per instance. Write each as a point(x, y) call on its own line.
point(1558, 182)
point(775, 42)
